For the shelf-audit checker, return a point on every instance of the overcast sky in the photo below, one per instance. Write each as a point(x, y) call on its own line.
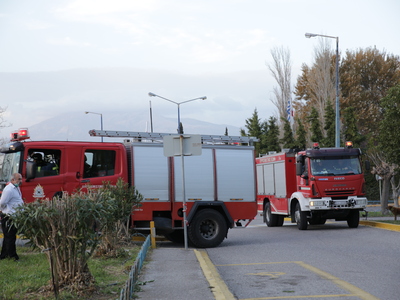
point(196, 40)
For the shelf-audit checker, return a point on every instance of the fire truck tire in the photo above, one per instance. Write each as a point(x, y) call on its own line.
point(207, 229)
point(317, 221)
point(300, 217)
point(353, 219)
point(175, 236)
point(281, 220)
point(270, 219)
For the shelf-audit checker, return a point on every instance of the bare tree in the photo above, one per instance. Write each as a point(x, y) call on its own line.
point(316, 85)
point(3, 123)
point(281, 70)
point(322, 79)
point(387, 172)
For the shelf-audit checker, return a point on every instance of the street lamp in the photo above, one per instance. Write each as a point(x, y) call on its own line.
point(337, 125)
point(180, 131)
point(101, 119)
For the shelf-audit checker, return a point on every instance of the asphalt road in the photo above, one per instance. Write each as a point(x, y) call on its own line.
point(329, 261)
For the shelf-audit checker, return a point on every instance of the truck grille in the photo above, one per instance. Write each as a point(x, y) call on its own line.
point(339, 193)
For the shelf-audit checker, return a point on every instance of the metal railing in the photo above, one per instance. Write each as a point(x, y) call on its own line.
point(129, 289)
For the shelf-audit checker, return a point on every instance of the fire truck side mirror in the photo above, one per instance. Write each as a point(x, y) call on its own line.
point(30, 170)
point(299, 169)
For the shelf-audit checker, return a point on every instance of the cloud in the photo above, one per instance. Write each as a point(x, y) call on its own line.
point(37, 25)
point(67, 41)
point(156, 24)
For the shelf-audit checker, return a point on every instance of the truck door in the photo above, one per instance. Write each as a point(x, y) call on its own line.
point(304, 179)
point(98, 165)
point(49, 173)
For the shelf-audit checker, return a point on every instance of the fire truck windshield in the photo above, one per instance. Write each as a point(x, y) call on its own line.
point(10, 165)
point(333, 166)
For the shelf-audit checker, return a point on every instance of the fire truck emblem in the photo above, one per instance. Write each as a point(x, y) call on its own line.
point(38, 192)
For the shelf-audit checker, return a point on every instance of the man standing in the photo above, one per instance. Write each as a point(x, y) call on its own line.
point(10, 199)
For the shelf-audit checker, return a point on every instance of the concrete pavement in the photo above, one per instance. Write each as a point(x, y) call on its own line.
point(175, 273)
point(178, 273)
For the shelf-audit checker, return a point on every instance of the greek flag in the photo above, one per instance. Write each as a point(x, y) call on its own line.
point(289, 110)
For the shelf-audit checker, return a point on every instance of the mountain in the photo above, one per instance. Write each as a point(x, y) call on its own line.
point(74, 126)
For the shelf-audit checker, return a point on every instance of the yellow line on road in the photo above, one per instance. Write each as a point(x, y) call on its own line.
point(218, 286)
point(263, 263)
point(341, 283)
point(301, 297)
point(354, 291)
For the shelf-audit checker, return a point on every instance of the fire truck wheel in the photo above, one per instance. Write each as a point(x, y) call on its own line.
point(300, 217)
point(317, 221)
point(207, 229)
point(175, 236)
point(270, 219)
point(353, 219)
point(281, 220)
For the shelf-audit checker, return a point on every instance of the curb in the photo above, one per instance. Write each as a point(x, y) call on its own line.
point(381, 225)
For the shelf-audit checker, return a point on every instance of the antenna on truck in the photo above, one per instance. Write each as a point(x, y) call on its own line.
point(153, 136)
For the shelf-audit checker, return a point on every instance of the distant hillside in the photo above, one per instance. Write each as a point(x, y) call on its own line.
point(76, 125)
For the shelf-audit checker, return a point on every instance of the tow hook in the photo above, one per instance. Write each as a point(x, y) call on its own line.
point(351, 202)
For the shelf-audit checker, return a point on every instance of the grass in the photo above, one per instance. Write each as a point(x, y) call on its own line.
point(26, 278)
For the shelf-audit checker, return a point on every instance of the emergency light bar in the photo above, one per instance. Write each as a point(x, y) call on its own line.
point(20, 135)
point(349, 144)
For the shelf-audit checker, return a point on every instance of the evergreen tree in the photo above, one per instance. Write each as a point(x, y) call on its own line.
point(329, 140)
point(272, 136)
point(253, 126)
point(226, 131)
point(288, 140)
point(316, 133)
point(350, 129)
point(263, 139)
point(301, 140)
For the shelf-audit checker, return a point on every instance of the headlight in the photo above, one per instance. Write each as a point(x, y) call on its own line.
point(317, 203)
point(362, 202)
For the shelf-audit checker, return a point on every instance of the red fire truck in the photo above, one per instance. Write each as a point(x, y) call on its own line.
point(220, 183)
point(311, 186)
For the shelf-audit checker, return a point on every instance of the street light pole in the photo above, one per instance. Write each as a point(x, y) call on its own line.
point(337, 119)
point(180, 131)
point(101, 120)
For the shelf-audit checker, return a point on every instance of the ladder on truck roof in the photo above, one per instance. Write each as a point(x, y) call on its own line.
point(153, 136)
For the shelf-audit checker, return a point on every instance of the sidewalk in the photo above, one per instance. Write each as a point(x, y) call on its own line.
point(173, 273)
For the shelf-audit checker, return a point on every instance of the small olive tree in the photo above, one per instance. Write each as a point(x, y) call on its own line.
point(115, 228)
point(68, 229)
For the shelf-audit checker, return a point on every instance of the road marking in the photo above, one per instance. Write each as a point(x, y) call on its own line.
point(217, 285)
point(341, 283)
point(354, 291)
point(270, 274)
point(302, 297)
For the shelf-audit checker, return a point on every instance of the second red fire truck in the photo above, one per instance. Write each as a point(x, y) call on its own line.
point(311, 186)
